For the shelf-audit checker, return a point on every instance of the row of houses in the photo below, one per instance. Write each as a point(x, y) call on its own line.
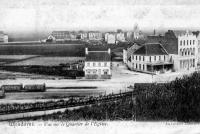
point(174, 51)
point(108, 37)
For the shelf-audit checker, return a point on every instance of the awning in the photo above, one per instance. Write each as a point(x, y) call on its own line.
point(160, 63)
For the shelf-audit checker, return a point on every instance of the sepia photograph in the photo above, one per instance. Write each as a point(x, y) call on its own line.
point(109, 66)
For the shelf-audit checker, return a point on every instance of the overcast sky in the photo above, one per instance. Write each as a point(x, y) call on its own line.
point(47, 15)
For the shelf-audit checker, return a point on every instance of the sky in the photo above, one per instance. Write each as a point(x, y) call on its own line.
point(48, 15)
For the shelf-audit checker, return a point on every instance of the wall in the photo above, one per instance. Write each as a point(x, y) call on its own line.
point(97, 69)
point(187, 52)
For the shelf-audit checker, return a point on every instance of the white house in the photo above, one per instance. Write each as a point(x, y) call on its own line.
point(110, 38)
point(97, 64)
point(151, 57)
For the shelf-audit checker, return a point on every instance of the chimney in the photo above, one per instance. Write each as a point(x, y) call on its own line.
point(109, 51)
point(86, 51)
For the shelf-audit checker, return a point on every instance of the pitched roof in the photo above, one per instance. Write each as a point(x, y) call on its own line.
point(169, 41)
point(151, 49)
point(132, 49)
point(98, 56)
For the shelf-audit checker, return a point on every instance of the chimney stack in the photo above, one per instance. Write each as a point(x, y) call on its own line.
point(86, 51)
point(109, 51)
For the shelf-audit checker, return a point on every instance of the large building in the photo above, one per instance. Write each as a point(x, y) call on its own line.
point(95, 35)
point(64, 35)
point(97, 64)
point(151, 57)
point(170, 52)
point(3, 37)
point(187, 52)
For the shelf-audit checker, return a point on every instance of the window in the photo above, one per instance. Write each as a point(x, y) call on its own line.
point(136, 57)
point(88, 71)
point(143, 67)
point(154, 58)
point(184, 42)
point(140, 66)
point(193, 42)
point(193, 62)
point(94, 71)
point(105, 71)
point(159, 58)
point(190, 42)
point(136, 66)
point(99, 71)
point(139, 58)
point(181, 42)
point(99, 64)
point(164, 57)
point(94, 64)
point(143, 58)
point(105, 64)
point(88, 64)
point(150, 58)
point(187, 42)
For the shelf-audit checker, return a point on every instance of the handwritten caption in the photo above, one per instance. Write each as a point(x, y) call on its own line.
point(57, 124)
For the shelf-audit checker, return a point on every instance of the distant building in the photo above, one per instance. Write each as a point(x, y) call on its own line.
point(60, 35)
point(129, 36)
point(82, 35)
point(136, 31)
point(3, 37)
point(64, 35)
point(120, 37)
point(110, 38)
point(97, 64)
point(95, 35)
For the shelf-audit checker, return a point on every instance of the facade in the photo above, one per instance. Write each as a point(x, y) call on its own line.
point(151, 58)
point(3, 37)
point(120, 37)
point(83, 35)
point(110, 38)
point(60, 35)
point(95, 35)
point(64, 35)
point(97, 64)
point(129, 36)
point(198, 47)
point(187, 52)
